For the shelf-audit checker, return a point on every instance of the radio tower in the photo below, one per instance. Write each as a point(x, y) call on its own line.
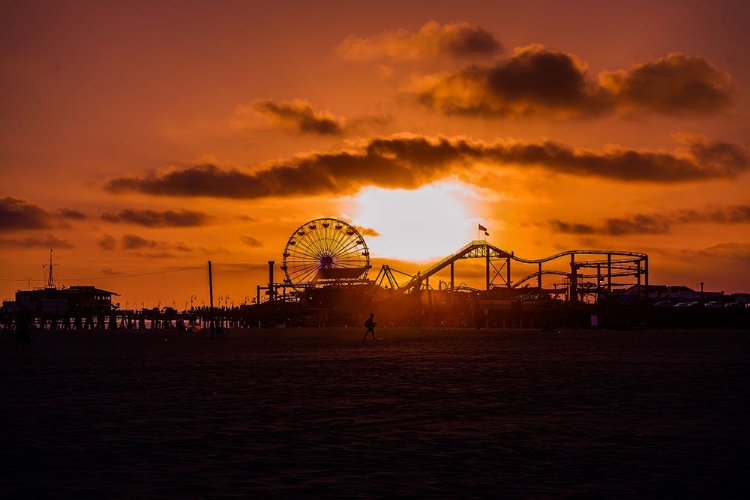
point(50, 278)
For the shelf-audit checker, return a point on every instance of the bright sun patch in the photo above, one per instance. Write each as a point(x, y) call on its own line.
point(418, 225)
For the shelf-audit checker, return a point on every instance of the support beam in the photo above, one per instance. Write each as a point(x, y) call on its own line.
point(211, 300)
point(271, 289)
point(487, 268)
point(573, 279)
point(507, 272)
point(539, 278)
point(453, 283)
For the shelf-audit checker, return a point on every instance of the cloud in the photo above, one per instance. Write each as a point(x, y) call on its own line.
point(250, 241)
point(152, 248)
point(560, 226)
point(536, 81)
point(457, 40)
point(533, 81)
point(151, 218)
point(298, 115)
point(732, 249)
point(733, 214)
point(673, 85)
point(112, 272)
point(654, 223)
point(67, 213)
point(367, 231)
point(410, 161)
point(637, 224)
point(107, 242)
point(19, 214)
point(49, 241)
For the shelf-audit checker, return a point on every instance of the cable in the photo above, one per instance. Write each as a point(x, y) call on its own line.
point(116, 276)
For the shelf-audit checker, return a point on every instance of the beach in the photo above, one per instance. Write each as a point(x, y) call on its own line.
point(433, 413)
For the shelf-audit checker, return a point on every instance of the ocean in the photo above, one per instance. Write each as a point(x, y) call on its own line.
point(428, 413)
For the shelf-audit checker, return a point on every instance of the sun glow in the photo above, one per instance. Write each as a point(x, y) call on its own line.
point(417, 225)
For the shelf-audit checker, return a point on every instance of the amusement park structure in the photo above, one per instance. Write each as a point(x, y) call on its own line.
point(332, 252)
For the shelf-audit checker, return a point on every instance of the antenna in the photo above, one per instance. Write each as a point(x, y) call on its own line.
point(50, 276)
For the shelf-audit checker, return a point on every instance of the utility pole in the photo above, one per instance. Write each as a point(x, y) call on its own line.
point(211, 301)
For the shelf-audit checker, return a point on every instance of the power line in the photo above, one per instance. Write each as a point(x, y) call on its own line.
point(116, 276)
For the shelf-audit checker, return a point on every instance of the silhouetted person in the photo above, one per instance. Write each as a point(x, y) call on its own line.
point(23, 329)
point(370, 324)
point(181, 326)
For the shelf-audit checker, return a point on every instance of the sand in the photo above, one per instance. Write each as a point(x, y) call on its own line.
point(300, 413)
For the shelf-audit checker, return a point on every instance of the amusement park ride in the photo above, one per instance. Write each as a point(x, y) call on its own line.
point(329, 251)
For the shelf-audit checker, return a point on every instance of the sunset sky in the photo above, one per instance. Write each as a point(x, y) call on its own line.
point(143, 137)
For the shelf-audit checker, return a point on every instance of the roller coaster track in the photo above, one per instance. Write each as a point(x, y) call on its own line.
point(616, 263)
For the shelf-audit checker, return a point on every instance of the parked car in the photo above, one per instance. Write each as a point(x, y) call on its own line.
point(686, 305)
point(714, 304)
point(663, 303)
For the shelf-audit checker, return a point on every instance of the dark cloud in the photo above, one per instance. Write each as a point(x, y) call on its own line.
point(72, 214)
point(411, 161)
point(107, 242)
point(570, 227)
point(134, 242)
point(153, 248)
point(18, 214)
point(300, 116)
point(536, 81)
point(461, 40)
point(621, 226)
point(112, 272)
point(457, 40)
point(655, 223)
point(637, 224)
point(152, 218)
point(250, 241)
point(732, 250)
point(673, 85)
point(49, 241)
point(733, 214)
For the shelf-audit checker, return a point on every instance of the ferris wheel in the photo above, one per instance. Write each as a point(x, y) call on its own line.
point(325, 251)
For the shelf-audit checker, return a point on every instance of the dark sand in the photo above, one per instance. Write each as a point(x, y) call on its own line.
point(424, 413)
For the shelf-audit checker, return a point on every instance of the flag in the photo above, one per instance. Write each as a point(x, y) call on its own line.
point(482, 228)
point(486, 233)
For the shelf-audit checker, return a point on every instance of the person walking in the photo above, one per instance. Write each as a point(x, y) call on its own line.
point(370, 324)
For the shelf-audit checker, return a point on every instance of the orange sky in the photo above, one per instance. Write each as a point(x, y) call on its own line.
point(143, 137)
